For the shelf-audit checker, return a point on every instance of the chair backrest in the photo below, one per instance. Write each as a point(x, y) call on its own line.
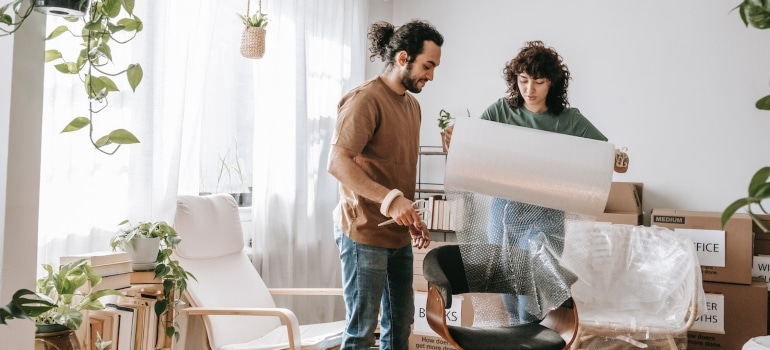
point(445, 270)
point(633, 279)
point(212, 250)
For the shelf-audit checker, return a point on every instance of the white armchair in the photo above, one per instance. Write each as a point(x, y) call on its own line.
point(237, 308)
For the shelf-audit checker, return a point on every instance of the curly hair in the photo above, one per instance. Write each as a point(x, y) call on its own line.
point(387, 40)
point(538, 61)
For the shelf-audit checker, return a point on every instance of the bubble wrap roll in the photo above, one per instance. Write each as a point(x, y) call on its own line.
point(548, 169)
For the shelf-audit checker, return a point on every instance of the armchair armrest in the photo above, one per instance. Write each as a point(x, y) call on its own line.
point(287, 317)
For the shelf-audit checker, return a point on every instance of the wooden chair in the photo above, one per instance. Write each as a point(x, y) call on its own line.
point(237, 308)
point(444, 270)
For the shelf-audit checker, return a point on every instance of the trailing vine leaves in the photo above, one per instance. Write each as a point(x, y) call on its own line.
point(107, 22)
point(8, 13)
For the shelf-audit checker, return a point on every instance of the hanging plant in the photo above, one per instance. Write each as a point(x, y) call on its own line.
point(254, 32)
point(108, 22)
point(8, 14)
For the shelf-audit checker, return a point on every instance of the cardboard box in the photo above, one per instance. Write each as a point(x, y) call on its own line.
point(734, 314)
point(624, 204)
point(724, 256)
point(420, 284)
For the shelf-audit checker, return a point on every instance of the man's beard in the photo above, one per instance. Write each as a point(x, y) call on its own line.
point(409, 83)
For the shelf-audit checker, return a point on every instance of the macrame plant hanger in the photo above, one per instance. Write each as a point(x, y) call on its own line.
point(253, 38)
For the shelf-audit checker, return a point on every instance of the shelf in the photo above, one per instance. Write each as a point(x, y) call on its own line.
point(432, 153)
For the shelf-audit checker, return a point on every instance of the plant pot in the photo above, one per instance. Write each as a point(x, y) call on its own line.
point(253, 42)
point(66, 8)
point(444, 144)
point(143, 252)
point(65, 339)
point(245, 200)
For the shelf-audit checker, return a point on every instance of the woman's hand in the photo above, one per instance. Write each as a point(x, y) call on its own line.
point(446, 136)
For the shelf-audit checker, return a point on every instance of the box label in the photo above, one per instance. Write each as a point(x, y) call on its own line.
point(669, 219)
point(761, 268)
point(709, 244)
point(712, 320)
point(453, 314)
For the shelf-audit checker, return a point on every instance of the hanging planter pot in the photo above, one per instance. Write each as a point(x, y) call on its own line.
point(66, 8)
point(253, 36)
point(253, 42)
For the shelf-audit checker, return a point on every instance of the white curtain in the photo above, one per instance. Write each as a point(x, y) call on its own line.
point(323, 43)
point(200, 101)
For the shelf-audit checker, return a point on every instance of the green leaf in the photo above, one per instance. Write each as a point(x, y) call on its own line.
point(762, 192)
point(732, 208)
point(105, 50)
point(102, 141)
point(129, 24)
point(759, 222)
point(93, 26)
point(128, 5)
point(56, 32)
point(108, 83)
point(759, 179)
point(122, 137)
point(757, 15)
point(51, 55)
point(95, 87)
point(763, 103)
point(111, 8)
point(134, 75)
point(67, 68)
point(6, 19)
point(76, 124)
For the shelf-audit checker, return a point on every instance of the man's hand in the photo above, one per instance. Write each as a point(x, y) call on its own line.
point(420, 235)
point(403, 211)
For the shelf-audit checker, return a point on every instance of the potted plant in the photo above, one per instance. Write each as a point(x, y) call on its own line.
point(444, 121)
point(57, 306)
point(168, 270)
point(254, 32)
point(228, 168)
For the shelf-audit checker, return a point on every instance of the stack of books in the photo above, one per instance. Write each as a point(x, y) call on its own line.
point(113, 267)
point(130, 321)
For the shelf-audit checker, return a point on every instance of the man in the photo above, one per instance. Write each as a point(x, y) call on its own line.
point(374, 157)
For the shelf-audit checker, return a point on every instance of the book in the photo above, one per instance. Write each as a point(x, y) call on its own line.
point(95, 329)
point(144, 277)
point(119, 281)
point(113, 269)
point(97, 258)
point(109, 324)
point(140, 329)
point(149, 320)
point(126, 327)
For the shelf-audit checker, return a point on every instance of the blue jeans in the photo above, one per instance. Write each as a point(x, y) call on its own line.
point(375, 277)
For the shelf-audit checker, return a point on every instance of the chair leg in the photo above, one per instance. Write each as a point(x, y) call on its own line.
point(671, 342)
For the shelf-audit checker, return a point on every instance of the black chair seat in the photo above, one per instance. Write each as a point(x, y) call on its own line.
point(525, 336)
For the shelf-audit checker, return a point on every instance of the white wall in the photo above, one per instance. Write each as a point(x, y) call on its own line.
point(674, 81)
point(21, 107)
